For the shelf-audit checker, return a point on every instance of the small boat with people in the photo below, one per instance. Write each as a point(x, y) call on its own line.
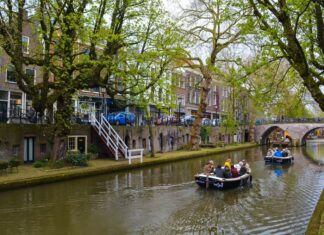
point(279, 156)
point(224, 177)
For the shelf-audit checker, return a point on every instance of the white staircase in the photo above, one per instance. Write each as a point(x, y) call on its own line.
point(113, 140)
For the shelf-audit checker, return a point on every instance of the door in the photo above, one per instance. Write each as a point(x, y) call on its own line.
point(81, 144)
point(3, 111)
point(29, 149)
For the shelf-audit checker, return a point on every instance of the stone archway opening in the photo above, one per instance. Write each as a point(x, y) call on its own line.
point(312, 134)
point(276, 136)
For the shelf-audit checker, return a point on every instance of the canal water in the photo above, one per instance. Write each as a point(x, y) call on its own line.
point(165, 200)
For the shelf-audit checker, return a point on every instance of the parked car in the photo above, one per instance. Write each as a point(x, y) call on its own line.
point(124, 118)
point(169, 120)
point(165, 120)
point(205, 122)
point(111, 117)
point(215, 122)
point(187, 120)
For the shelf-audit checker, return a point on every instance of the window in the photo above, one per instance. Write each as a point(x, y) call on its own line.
point(3, 95)
point(25, 44)
point(214, 98)
point(181, 100)
point(29, 102)
point(77, 143)
point(182, 82)
point(71, 143)
point(31, 74)
point(11, 76)
point(15, 149)
point(15, 101)
point(42, 149)
point(197, 97)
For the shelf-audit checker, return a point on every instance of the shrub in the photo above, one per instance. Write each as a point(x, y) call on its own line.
point(3, 165)
point(40, 163)
point(76, 159)
point(93, 149)
point(57, 164)
point(14, 162)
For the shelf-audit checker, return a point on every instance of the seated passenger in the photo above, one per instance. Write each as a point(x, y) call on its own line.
point(227, 172)
point(219, 172)
point(209, 167)
point(284, 153)
point(247, 166)
point(228, 163)
point(243, 169)
point(234, 172)
point(277, 153)
point(269, 153)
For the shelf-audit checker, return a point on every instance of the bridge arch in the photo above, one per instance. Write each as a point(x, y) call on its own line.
point(297, 131)
point(304, 138)
point(266, 133)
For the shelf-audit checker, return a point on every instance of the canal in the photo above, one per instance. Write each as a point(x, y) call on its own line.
point(165, 200)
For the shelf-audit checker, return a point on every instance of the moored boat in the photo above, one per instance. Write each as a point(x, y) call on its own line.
point(215, 182)
point(274, 159)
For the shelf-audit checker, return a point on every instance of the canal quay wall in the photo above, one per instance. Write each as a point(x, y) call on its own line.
point(27, 175)
point(14, 138)
point(316, 223)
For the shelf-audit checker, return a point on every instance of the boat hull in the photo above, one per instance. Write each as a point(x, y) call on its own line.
point(222, 183)
point(279, 160)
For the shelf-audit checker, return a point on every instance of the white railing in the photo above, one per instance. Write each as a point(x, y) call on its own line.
point(113, 140)
point(135, 153)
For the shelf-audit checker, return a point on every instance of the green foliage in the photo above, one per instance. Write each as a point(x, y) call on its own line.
point(205, 131)
point(76, 159)
point(93, 149)
point(122, 46)
point(14, 162)
point(57, 164)
point(40, 163)
point(293, 30)
point(3, 165)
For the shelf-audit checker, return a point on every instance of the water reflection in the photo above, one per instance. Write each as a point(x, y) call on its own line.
point(278, 169)
point(165, 200)
point(315, 150)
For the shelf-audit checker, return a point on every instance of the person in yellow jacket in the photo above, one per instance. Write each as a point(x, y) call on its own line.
point(228, 163)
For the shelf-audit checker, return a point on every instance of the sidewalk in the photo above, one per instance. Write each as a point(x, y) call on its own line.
point(27, 175)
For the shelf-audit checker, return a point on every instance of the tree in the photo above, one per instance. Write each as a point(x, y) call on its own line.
point(84, 44)
point(280, 92)
point(295, 31)
point(212, 26)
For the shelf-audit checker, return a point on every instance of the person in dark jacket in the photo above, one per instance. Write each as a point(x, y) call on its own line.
point(234, 172)
point(243, 169)
point(219, 172)
point(227, 172)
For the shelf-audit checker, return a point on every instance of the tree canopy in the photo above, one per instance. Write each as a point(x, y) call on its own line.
point(294, 30)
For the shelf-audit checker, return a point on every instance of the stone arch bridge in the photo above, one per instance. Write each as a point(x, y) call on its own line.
point(298, 129)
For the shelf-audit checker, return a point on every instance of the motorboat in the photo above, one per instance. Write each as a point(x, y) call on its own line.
point(214, 182)
point(281, 160)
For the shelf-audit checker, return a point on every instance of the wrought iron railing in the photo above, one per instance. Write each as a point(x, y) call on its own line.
point(18, 115)
point(288, 120)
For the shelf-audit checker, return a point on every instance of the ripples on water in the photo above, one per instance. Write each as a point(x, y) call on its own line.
point(165, 200)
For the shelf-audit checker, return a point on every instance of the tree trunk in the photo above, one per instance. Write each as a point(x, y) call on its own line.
point(62, 125)
point(148, 116)
point(60, 148)
point(195, 131)
point(151, 138)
